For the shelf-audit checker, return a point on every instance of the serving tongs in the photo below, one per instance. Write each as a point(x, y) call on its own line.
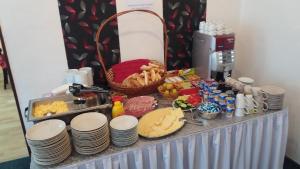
point(78, 89)
point(198, 122)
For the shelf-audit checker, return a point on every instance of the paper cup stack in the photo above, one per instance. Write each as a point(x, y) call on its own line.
point(49, 142)
point(275, 96)
point(124, 130)
point(90, 133)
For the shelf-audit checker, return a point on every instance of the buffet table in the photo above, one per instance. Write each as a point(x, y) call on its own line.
point(250, 142)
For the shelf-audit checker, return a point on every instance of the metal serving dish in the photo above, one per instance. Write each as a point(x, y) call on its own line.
point(102, 104)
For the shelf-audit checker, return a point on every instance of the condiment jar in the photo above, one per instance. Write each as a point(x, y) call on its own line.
point(117, 109)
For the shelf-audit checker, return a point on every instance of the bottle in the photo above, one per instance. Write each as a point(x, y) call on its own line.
point(117, 109)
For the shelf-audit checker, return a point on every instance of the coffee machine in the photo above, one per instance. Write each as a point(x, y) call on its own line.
point(213, 55)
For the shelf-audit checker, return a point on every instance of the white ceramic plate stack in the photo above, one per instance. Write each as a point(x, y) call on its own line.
point(90, 133)
point(49, 142)
point(275, 96)
point(123, 130)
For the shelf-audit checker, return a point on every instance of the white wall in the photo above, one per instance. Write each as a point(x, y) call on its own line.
point(268, 34)
point(35, 47)
point(224, 11)
point(268, 50)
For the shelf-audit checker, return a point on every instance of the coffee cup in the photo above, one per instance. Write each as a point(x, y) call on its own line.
point(251, 104)
point(247, 89)
point(239, 112)
point(240, 101)
point(262, 104)
point(70, 76)
point(258, 92)
point(229, 81)
point(239, 86)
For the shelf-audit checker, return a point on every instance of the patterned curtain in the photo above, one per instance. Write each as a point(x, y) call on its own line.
point(81, 18)
point(182, 18)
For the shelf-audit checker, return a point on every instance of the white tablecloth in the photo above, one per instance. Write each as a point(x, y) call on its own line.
point(257, 143)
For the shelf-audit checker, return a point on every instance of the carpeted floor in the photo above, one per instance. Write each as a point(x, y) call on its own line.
point(290, 164)
point(22, 163)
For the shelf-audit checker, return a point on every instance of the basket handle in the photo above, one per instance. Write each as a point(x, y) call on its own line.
point(100, 57)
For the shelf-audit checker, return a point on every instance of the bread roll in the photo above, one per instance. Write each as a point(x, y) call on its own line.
point(153, 65)
point(146, 77)
point(140, 80)
point(153, 76)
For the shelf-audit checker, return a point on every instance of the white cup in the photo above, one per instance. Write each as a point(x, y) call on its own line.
point(81, 77)
point(258, 92)
point(247, 89)
point(251, 104)
point(239, 112)
point(229, 81)
point(239, 86)
point(220, 33)
point(70, 76)
point(202, 25)
point(89, 72)
point(262, 104)
point(220, 27)
point(240, 101)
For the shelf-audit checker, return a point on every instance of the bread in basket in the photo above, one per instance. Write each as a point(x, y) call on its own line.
point(149, 77)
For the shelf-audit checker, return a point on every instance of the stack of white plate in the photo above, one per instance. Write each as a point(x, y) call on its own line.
point(90, 133)
point(49, 142)
point(275, 96)
point(123, 130)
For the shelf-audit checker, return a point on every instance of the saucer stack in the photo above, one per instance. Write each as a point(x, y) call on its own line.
point(275, 96)
point(49, 142)
point(124, 130)
point(90, 133)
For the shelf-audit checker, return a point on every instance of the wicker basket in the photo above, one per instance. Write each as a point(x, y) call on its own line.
point(131, 91)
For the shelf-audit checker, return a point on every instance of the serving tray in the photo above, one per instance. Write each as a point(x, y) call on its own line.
point(74, 109)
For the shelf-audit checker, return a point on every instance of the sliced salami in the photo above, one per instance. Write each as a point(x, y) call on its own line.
point(138, 106)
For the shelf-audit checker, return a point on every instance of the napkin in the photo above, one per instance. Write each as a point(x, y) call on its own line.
point(123, 70)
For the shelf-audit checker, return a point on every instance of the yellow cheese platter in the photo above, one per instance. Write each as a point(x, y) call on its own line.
point(161, 122)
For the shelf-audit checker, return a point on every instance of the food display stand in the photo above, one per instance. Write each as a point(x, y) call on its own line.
point(254, 141)
point(241, 126)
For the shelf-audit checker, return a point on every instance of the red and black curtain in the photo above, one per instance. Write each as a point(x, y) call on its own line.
point(81, 18)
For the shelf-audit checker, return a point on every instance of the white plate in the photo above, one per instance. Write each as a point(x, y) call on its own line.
point(273, 90)
point(104, 127)
point(88, 121)
point(60, 158)
point(246, 80)
point(125, 132)
point(123, 144)
point(125, 140)
point(52, 154)
point(124, 122)
point(45, 130)
point(93, 151)
point(39, 143)
point(98, 133)
point(53, 147)
point(94, 143)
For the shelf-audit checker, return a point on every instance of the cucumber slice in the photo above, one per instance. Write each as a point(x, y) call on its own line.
point(183, 105)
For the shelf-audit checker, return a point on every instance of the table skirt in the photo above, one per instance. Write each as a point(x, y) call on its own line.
point(257, 143)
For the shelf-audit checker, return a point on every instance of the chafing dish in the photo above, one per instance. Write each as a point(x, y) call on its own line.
point(102, 104)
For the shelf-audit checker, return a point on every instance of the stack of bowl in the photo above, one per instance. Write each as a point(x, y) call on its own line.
point(124, 130)
point(49, 142)
point(90, 133)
